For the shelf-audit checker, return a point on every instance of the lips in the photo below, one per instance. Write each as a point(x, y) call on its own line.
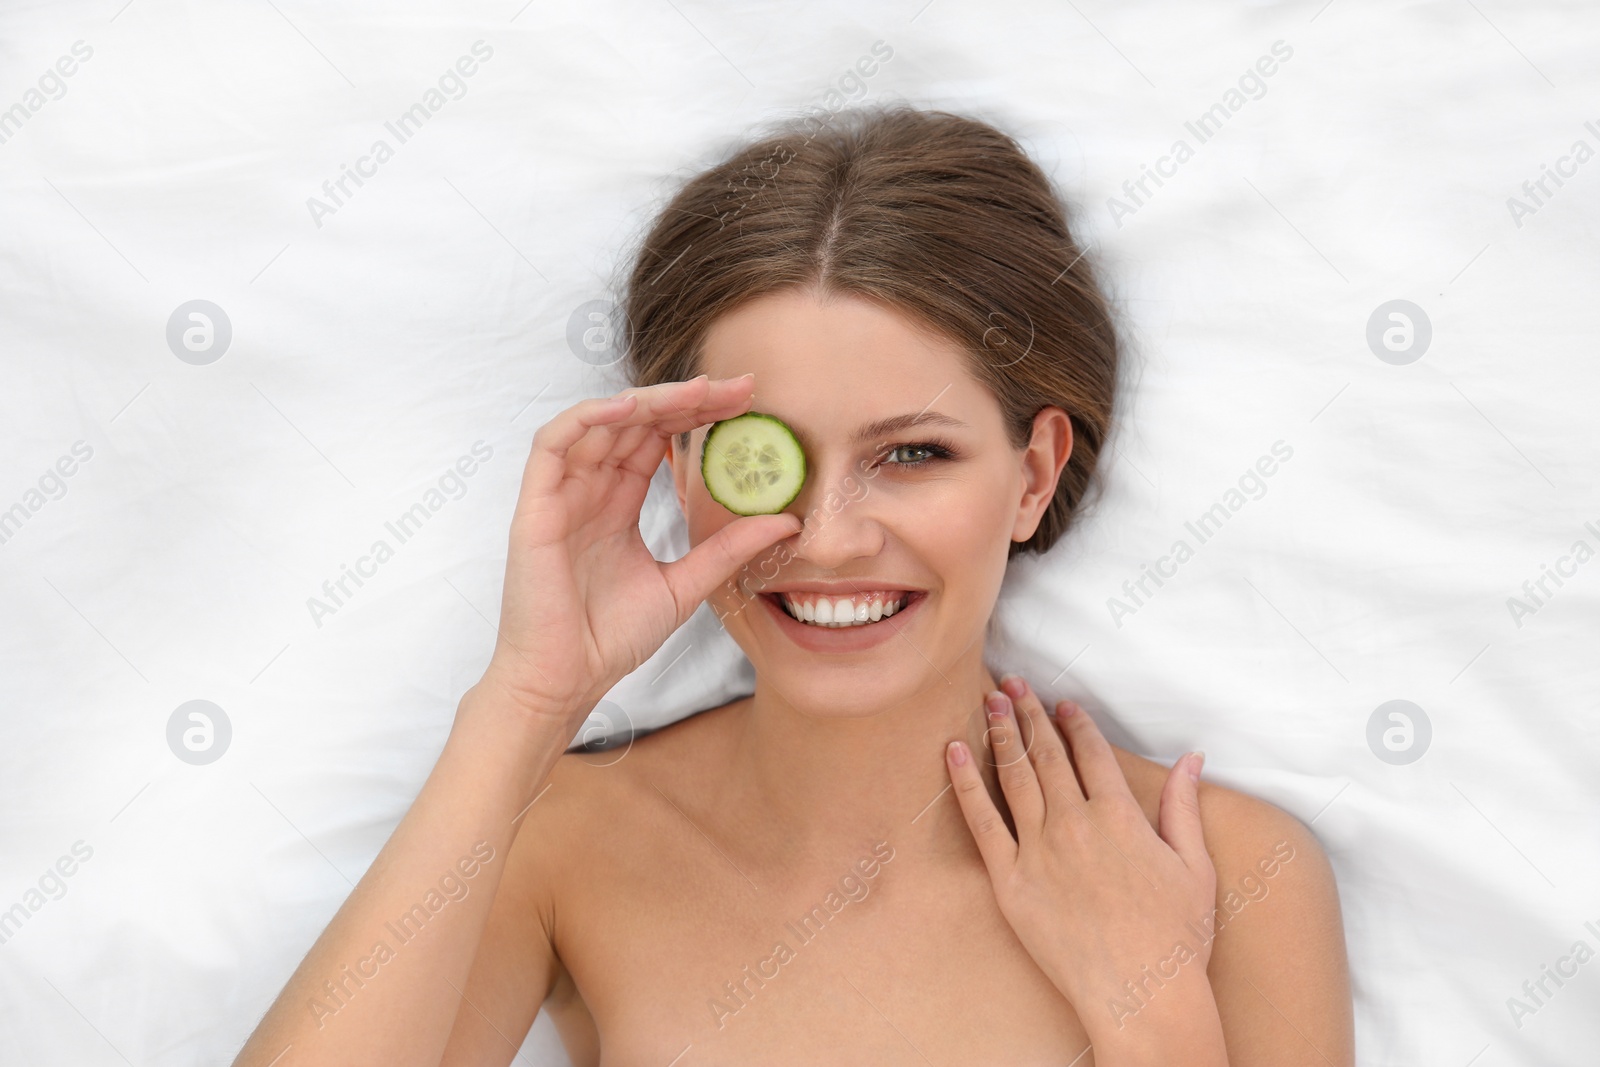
point(844, 639)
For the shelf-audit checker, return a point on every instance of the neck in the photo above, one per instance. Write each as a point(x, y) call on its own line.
point(821, 783)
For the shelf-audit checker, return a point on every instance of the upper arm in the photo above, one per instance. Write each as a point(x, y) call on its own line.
point(516, 965)
point(1278, 967)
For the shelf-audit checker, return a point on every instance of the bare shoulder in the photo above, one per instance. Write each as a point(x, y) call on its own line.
point(1241, 830)
point(1278, 966)
point(599, 791)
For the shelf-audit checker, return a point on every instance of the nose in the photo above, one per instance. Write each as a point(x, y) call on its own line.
point(837, 509)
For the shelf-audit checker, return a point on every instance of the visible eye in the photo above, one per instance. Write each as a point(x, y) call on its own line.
point(930, 450)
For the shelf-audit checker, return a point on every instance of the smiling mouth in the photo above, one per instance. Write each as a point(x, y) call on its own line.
point(843, 613)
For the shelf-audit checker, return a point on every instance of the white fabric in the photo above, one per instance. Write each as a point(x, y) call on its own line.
point(429, 312)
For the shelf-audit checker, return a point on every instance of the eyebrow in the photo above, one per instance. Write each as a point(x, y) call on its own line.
point(896, 423)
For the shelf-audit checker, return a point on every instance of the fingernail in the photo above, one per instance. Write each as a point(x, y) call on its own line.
point(1013, 685)
point(958, 753)
point(1066, 709)
point(998, 704)
point(1197, 759)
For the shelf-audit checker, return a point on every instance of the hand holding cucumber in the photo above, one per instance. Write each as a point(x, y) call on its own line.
point(585, 602)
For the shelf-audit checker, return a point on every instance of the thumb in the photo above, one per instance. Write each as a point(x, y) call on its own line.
point(1180, 813)
point(716, 559)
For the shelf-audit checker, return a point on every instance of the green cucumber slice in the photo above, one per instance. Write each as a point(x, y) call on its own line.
point(752, 464)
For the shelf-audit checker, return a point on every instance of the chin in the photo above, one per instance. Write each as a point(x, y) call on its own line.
point(833, 695)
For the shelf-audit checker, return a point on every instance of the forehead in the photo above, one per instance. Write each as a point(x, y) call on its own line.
point(842, 361)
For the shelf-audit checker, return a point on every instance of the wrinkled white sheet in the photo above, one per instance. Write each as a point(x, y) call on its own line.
point(377, 340)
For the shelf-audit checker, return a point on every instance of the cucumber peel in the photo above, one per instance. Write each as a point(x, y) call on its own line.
point(752, 464)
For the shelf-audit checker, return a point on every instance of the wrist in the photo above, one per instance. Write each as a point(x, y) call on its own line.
point(495, 727)
point(1177, 1022)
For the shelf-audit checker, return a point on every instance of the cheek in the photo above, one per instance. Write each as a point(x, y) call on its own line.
point(973, 515)
point(973, 537)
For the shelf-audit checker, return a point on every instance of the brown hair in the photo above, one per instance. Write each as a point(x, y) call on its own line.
point(940, 216)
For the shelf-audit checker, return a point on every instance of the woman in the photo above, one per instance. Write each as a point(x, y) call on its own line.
point(883, 855)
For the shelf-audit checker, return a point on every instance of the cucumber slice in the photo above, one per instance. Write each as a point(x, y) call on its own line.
point(752, 464)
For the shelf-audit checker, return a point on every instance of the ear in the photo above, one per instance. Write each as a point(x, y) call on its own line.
point(1042, 463)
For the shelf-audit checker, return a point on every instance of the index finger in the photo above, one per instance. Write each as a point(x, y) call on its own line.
point(678, 406)
point(671, 406)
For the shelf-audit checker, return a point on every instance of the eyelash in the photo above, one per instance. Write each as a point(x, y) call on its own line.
point(938, 449)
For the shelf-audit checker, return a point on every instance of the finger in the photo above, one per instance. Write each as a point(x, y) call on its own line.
point(1179, 820)
point(1045, 748)
point(640, 450)
point(673, 407)
point(995, 843)
point(547, 460)
point(1097, 765)
point(663, 410)
point(1018, 781)
point(710, 563)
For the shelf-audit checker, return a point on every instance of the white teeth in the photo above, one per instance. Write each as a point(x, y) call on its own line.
point(839, 612)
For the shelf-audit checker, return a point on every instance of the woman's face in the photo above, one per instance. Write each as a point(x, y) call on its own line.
point(879, 525)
